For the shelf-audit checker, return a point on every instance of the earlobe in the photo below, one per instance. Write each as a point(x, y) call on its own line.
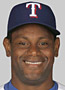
point(57, 45)
point(7, 46)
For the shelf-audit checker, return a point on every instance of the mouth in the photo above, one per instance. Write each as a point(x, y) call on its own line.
point(36, 62)
point(33, 63)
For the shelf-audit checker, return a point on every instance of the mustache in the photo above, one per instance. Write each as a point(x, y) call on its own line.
point(33, 58)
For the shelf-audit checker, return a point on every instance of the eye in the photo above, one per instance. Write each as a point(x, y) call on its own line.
point(24, 44)
point(43, 44)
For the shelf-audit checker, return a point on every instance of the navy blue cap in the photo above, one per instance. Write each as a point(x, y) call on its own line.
point(32, 12)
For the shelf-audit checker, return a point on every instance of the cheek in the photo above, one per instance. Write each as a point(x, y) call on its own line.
point(15, 55)
point(17, 52)
point(49, 53)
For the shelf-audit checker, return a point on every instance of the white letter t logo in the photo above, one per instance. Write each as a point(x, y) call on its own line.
point(33, 9)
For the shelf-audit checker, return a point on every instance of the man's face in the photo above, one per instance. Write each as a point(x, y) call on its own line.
point(32, 53)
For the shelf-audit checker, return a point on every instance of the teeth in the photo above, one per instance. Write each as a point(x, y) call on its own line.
point(33, 62)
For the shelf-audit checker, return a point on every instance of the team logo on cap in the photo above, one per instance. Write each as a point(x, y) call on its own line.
point(33, 9)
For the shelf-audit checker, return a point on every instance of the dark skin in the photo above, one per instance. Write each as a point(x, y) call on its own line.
point(32, 43)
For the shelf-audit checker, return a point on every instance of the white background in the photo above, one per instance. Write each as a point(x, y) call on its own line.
point(58, 6)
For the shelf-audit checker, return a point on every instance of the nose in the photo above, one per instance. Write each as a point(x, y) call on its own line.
point(34, 51)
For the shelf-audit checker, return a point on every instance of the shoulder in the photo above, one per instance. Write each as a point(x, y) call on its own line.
point(61, 87)
point(2, 87)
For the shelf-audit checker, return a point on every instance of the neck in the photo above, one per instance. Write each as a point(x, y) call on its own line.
point(48, 84)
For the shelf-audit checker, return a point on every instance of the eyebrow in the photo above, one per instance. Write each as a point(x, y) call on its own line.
point(20, 37)
point(43, 38)
point(28, 39)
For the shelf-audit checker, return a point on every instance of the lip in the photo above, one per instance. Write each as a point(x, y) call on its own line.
point(33, 64)
point(33, 61)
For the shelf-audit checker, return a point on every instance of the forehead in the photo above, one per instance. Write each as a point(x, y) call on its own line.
point(32, 30)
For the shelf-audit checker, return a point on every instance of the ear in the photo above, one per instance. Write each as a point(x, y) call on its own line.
point(57, 45)
point(7, 46)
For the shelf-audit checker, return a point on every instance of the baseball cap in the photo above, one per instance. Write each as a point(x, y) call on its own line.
point(32, 12)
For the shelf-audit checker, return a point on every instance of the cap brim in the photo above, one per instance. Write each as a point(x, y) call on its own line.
point(53, 30)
